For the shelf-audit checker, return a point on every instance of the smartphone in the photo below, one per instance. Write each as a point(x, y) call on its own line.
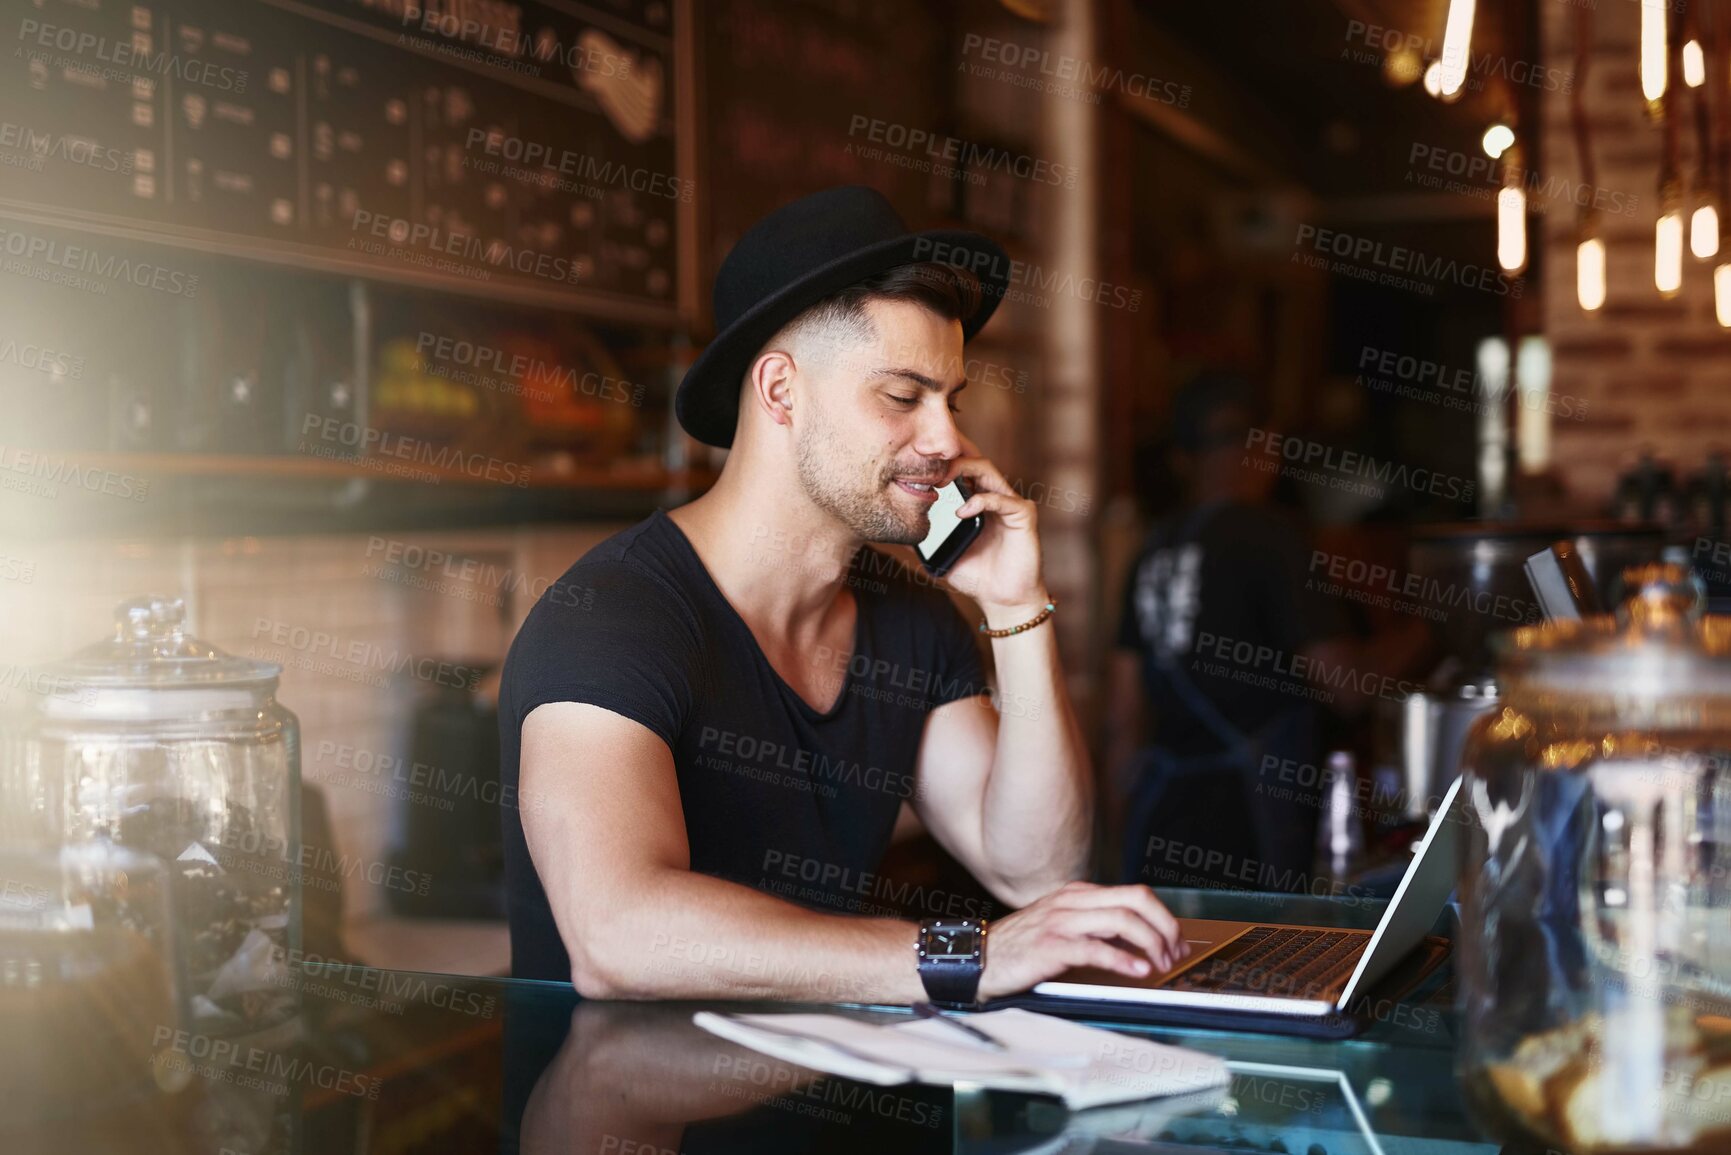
point(950, 536)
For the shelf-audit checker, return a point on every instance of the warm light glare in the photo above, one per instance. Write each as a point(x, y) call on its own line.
point(1722, 294)
point(1590, 273)
point(1457, 47)
point(1433, 78)
point(1498, 137)
point(1493, 358)
point(1668, 253)
point(1694, 64)
point(1512, 230)
point(1402, 66)
point(1704, 232)
point(1653, 48)
point(1532, 416)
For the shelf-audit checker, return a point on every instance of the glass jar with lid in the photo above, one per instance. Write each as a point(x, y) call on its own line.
point(163, 744)
point(88, 988)
point(1594, 956)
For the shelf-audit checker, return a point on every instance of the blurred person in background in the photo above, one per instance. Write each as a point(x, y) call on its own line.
point(1189, 734)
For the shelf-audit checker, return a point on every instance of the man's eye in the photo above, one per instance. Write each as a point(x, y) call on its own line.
point(903, 400)
point(955, 409)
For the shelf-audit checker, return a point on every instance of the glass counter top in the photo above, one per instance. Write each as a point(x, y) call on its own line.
point(401, 1062)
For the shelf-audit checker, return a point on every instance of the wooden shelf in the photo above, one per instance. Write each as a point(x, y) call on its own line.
point(294, 466)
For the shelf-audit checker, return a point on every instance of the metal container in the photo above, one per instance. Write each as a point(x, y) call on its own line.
point(173, 748)
point(1595, 950)
point(1475, 572)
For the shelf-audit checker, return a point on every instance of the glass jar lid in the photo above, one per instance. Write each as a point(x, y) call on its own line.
point(1659, 642)
point(150, 649)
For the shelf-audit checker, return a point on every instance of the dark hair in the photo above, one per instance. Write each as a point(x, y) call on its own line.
point(1204, 395)
point(952, 293)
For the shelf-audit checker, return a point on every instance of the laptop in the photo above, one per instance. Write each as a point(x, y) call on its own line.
point(1283, 970)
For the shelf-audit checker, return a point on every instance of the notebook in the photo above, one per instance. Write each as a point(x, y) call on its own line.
point(1083, 1066)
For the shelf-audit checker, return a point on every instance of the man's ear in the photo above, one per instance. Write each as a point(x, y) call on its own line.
point(769, 385)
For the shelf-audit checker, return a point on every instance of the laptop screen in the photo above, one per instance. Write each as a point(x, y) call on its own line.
point(1422, 892)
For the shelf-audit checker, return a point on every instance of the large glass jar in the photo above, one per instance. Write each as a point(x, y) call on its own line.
point(1595, 948)
point(163, 744)
point(87, 976)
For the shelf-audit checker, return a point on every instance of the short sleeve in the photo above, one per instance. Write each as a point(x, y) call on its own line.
point(959, 653)
point(609, 635)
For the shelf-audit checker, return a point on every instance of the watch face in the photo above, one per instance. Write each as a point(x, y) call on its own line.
point(952, 943)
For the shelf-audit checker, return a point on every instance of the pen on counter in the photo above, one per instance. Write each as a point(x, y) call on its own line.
point(927, 1011)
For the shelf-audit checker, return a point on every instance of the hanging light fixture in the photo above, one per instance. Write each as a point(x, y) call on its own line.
point(1654, 51)
point(1497, 139)
point(1694, 64)
point(1590, 266)
point(1704, 229)
point(1456, 49)
point(1512, 216)
point(1512, 229)
point(1668, 244)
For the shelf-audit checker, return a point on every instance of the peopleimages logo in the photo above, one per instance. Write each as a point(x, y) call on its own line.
point(543, 160)
point(231, 1061)
point(79, 150)
point(955, 150)
point(1454, 387)
point(1482, 177)
point(1021, 276)
point(129, 57)
point(1346, 464)
point(79, 259)
point(525, 372)
point(41, 475)
point(40, 358)
point(1386, 587)
point(369, 655)
point(1378, 39)
point(497, 28)
point(435, 248)
point(1063, 75)
point(832, 877)
point(1396, 259)
point(378, 443)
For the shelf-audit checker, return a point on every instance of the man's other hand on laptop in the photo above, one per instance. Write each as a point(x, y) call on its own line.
point(1075, 926)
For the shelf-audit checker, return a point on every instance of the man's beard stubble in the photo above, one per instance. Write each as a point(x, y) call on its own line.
point(867, 509)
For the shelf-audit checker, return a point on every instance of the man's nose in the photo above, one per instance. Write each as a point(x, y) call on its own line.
point(937, 435)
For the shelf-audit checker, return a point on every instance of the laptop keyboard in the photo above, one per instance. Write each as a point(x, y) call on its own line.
point(1288, 962)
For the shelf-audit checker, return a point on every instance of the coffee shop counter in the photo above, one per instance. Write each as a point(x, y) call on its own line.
point(399, 1062)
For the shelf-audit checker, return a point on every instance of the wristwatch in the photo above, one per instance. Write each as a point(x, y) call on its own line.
point(952, 956)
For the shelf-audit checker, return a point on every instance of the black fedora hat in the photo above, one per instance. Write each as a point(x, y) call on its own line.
point(795, 257)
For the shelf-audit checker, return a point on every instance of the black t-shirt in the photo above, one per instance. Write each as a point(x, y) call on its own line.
point(776, 795)
point(1224, 594)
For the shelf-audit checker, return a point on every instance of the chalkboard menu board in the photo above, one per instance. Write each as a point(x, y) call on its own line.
point(511, 149)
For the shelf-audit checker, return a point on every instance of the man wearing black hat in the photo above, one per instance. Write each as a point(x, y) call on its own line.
point(715, 716)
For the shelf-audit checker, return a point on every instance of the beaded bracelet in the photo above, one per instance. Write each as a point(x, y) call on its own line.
point(1037, 619)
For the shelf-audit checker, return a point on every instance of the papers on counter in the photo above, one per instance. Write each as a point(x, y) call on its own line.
point(1083, 1066)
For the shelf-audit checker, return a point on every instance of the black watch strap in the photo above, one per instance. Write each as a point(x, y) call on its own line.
point(950, 982)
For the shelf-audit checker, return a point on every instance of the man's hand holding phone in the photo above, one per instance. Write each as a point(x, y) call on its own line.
point(1001, 569)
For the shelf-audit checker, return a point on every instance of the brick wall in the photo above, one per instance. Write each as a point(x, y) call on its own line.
point(1651, 372)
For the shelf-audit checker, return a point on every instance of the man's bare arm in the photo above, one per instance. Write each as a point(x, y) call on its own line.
point(609, 843)
point(1010, 791)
